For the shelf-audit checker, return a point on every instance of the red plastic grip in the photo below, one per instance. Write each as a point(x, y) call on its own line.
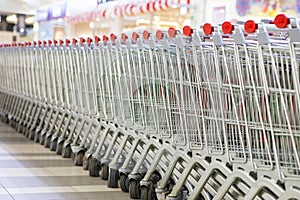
point(105, 38)
point(187, 31)
point(250, 26)
point(172, 32)
point(134, 36)
point(124, 37)
point(68, 41)
point(81, 40)
point(227, 28)
point(146, 35)
point(208, 29)
point(159, 34)
point(281, 21)
point(89, 40)
point(74, 41)
point(113, 37)
point(97, 39)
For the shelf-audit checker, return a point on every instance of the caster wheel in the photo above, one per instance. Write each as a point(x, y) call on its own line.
point(113, 177)
point(27, 132)
point(24, 129)
point(5, 119)
point(78, 158)
point(19, 128)
point(134, 189)
point(94, 167)
point(124, 183)
point(42, 139)
point(53, 145)
point(86, 162)
point(66, 152)
point(31, 134)
point(104, 172)
point(59, 148)
point(36, 138)
point(13, 124)
point(47, 142)
point(148, 193)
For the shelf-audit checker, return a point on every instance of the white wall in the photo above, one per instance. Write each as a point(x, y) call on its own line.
point(202, 11)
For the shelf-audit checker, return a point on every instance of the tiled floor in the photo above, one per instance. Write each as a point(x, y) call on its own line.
point(30, 171)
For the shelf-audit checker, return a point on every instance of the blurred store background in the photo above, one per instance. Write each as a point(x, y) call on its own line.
point(26, 20)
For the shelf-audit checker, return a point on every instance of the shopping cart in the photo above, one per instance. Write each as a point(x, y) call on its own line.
point(203, 114)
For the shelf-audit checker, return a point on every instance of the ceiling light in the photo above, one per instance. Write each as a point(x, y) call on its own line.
point(12, 19)
point(29, 20)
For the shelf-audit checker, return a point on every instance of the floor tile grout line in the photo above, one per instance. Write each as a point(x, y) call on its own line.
point(5, 189)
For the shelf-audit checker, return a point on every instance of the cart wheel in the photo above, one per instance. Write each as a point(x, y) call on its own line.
point(14, 124)
point(31, 133)
point(94, 167)
point(42, 139)
point(19, 128)
point(124, 183)
point(86, 162)
point(10, 123)
point(66, 152)
point(24, 130)
point(104, 172)
point(78, 160)
point(59, 148)
point(72, 156)
point(5, 119)
point(36, 137)
point(134, 189)
point(148, 193)
point(27, 132)
point(47, 142)
point(53, 145)
point(113, 177)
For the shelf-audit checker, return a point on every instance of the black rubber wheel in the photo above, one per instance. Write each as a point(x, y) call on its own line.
point(134, 189)
point(10, 123)
point(148, 193)
point(27, 132)
point(59, 148)
point(86, 162)
point(72, 156)
point(42, 139)
point(104, 172)
point(24, 130)
point(36, 137)
point(124, 183)
point(19, 128)
point(113, 177)
point(5, 119)
point(94, 167)
point(53, 145)
point(47, 142)
point(66, 152)
point(31, 134)
point(78, 160)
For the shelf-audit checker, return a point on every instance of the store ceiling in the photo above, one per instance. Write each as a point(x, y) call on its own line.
point(23, 6)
